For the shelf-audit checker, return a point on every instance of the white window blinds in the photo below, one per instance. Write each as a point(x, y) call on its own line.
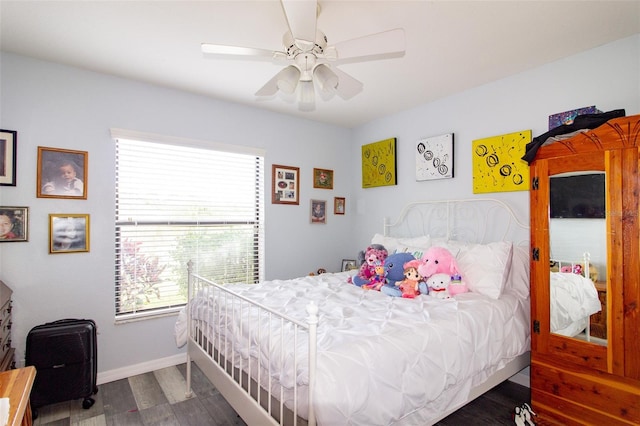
point(177, 202)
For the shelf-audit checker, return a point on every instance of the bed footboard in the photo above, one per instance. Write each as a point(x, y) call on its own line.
point(243, 372)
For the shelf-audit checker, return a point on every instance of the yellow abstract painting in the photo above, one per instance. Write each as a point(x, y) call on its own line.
point(498, 165)
point(379, 163)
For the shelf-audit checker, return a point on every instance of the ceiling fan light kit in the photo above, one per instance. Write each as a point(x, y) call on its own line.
point(288, 79)
point(306, 50)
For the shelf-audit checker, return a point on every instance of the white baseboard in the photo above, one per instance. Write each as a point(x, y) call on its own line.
point(145, 367)
point(522, 378)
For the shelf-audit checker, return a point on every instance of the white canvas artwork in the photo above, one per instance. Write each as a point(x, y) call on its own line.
point(434, 157)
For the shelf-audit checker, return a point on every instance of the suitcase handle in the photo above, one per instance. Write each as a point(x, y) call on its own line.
point(72, 320)
point(62, 321)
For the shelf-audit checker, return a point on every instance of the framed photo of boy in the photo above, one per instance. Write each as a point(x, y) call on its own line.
point(339, 205)
point(318, 211)
point(8, 142)
point(62, 173)
point(285, 185)
point(323, 178)
point(14, 224)
point(68, 233)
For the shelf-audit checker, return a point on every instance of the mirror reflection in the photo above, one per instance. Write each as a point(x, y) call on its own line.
point(577, 242)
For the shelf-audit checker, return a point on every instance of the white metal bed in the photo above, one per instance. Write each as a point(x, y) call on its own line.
point(247, 382)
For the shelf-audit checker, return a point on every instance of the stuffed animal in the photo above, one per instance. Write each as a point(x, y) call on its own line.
point(439, 260)
point(456, 286)
point(409, 286)
point(378, 280)
point(575, 269)
point(394, 272)
point(438, 285)
point(369, 257)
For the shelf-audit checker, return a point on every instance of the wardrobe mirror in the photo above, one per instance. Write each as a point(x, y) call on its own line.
point(578, 254)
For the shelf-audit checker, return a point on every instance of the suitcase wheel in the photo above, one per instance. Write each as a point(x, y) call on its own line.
point(88, 403)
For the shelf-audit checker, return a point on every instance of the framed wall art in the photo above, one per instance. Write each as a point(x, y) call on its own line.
point(323, 178)
point(434, 157)
point(68, 233)
point(498, 165)
point(8, 157)
point(339, 205)
point(318, 211)
point(285, 184)
point(379, 163)
point(62, 173)
point(14, 224)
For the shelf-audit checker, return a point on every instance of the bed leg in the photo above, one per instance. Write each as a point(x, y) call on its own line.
point(188, 392)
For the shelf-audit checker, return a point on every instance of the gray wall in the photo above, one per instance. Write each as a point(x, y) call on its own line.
point(57, 106)
point(608, 77)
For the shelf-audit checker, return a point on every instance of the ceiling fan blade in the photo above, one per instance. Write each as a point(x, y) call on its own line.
point(270, 88)
point(301, 17)
point(229, 52)
point(348, 86)
point(384, 45)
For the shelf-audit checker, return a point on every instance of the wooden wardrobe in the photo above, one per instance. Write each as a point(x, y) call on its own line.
point(579, 380)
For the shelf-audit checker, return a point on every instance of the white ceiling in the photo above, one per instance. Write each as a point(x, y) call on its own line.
point(451, 46)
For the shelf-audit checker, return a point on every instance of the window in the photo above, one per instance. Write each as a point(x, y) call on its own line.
point(177, 201)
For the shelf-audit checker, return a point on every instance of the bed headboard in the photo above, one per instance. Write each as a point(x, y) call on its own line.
point(478, 220)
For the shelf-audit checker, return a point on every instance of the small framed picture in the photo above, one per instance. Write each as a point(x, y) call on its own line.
point(8, 146)
point(68, 233)
point(62, 173)
point(285, 184)
point(318, 211)
point(14, 224)
point(348, 264)
point(338, 205)
point(323, 178)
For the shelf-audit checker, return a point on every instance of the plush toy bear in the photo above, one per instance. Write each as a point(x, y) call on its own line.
point(394, 272)
point(374, 253)
point(439, 286)
point(439, 260)
point(409, 286)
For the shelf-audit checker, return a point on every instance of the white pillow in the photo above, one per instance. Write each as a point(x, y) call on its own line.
point(417, 252)
point(484, 267)
point(519, 278)
point(393, 244)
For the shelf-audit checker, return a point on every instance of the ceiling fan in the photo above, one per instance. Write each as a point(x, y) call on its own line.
point(311, 62)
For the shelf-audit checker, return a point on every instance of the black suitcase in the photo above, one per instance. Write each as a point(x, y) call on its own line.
point(64, 354)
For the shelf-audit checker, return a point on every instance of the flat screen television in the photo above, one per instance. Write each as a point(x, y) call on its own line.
point(578, 196)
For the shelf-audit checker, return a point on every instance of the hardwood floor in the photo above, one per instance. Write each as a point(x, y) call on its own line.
point(158, 398)
point(493, 408)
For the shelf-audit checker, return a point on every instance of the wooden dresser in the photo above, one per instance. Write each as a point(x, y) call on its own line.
point(6, 351)
point(590, 380)
point(16, 385)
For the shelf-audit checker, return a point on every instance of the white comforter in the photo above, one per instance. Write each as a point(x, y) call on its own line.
point(575, 298)
point(384, 360)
